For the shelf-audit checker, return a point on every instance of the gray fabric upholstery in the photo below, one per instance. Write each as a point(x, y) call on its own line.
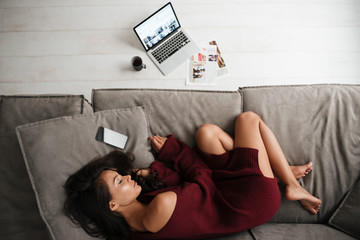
point(318, 123)
point(347, 216)
point(87, 107)
point(245, 235)
point(298, 232)
point(19, 218)
point(175, 111)
point(54, 149)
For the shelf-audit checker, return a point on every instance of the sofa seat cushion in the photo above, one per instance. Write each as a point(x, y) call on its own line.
point(318, 123)
point(245, 235)
point(56, 148)
point(298, 232)
point(20, 218)
point(179, 112)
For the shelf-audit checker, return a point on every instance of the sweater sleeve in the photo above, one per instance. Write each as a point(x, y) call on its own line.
point(184, 159)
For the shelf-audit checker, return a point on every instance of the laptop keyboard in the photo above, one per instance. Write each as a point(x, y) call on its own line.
point(170, 47)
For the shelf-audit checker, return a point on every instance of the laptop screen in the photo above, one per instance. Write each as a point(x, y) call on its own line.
point(156, 27)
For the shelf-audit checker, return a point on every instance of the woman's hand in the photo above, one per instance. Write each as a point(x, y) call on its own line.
point(157, 142)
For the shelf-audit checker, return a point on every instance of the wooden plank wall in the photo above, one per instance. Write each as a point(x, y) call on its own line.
point(73, 46)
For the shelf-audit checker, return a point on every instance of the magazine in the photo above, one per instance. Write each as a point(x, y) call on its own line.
point(206, 66)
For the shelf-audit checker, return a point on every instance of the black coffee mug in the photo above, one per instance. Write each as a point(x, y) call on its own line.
point(137, 63)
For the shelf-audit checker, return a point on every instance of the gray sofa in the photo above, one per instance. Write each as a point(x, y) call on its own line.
point(43, 139)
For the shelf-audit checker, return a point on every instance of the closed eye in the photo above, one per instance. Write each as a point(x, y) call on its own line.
point(116, 178)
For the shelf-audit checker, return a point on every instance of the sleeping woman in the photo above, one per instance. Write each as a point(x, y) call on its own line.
point(221, 186)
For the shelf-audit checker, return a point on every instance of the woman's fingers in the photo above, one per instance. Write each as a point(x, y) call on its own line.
point(159, 139)
point(156, 145)
point(153, 141)
point(157, 142)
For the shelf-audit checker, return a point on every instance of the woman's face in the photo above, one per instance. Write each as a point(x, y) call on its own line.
point(123, 190)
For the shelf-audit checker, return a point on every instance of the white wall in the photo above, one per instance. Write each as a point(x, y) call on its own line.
point(72, 46)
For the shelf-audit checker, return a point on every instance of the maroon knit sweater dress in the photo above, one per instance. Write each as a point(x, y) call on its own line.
point(216, 194)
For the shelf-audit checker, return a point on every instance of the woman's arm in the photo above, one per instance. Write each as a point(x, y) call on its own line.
point(185, 160)
point(159, 211)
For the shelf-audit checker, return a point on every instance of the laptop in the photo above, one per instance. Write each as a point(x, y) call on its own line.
point(165, 42)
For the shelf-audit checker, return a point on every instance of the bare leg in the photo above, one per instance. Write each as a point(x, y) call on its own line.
point(213, 140)
point(251, 131)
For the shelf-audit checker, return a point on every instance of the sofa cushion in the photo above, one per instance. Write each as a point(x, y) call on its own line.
point(179, 112)
point(298, 232)
point(20, 218)
point(347, 216)
point(318, 123)
point(245, 235)
point(54, 149)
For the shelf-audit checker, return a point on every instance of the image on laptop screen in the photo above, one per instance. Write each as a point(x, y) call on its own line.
point(157, 26)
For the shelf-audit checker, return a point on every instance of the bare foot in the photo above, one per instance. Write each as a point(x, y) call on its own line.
point(302, 170)
point(311, 203)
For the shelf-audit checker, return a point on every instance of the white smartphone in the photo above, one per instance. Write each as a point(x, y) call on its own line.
point(111, 137)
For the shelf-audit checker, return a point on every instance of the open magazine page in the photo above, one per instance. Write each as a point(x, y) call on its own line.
point(222, 70)
point(204, 66)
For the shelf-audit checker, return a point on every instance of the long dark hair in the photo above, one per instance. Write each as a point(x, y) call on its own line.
point(87, 197)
